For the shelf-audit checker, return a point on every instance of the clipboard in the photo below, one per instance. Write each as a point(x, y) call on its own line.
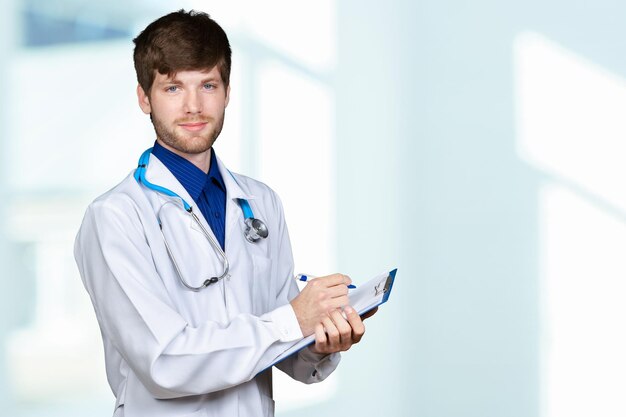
point(364, 298)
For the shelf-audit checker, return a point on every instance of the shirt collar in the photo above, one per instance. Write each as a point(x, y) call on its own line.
point(214, 172)
point(192, 178)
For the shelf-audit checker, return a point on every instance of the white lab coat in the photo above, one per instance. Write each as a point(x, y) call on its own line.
point(173, 352)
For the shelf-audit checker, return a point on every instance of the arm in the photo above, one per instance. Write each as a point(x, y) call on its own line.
point(170, 357)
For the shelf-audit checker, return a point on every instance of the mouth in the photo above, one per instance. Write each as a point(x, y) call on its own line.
point(193, 126)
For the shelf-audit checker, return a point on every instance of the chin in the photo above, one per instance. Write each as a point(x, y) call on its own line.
point(196, 145)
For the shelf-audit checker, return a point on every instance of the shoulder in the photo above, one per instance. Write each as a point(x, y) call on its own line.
point(125, 198)
point(116, 216)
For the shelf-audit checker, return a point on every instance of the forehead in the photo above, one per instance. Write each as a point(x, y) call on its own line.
point(195, 75)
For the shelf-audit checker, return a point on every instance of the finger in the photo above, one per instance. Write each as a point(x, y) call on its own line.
point(358, 328)
point(321, 342)
point(337, 291)
point(345, 280)
point(320, 334)
point(345, 331)
point(338, 302)
point(332, 334)
point(332, 280)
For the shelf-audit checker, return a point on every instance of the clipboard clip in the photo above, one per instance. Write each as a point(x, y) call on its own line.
point(378, 290)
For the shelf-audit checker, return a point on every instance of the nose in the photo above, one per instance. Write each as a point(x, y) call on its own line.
point(192, 104)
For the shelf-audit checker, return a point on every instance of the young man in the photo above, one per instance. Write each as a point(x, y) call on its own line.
point(189, 265)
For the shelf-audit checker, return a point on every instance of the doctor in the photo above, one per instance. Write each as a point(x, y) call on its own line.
point(188, 265)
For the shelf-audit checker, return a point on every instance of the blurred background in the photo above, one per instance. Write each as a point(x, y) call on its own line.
point(477, 146)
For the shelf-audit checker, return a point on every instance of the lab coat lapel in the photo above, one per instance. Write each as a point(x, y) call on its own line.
point(157, 173)
point(234, 191)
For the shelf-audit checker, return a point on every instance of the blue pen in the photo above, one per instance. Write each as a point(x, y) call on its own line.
point(307, 277)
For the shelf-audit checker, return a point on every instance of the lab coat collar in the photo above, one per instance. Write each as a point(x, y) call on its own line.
point(157, 173)
point(194, 179)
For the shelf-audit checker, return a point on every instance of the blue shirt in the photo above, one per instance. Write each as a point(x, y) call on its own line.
point(207, 190)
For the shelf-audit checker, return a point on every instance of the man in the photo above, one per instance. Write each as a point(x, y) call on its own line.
point(195, 298)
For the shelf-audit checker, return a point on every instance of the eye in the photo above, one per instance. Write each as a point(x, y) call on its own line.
point(209, 86)
point(171, 88)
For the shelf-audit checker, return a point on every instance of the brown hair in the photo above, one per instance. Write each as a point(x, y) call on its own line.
point(181, 41)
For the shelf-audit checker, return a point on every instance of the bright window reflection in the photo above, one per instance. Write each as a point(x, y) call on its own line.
point(571, 118)
point(572, 124)
point(583, 246)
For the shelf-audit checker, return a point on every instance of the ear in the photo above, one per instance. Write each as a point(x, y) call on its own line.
point(144, 100)
point(227, 96)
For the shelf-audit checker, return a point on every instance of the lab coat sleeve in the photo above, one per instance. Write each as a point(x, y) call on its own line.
point(304, 366)
point(170, 357)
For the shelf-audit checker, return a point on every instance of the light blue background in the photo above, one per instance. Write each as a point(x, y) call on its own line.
point(429, 181)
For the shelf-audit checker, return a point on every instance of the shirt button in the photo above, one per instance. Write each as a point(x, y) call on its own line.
point(216, 214)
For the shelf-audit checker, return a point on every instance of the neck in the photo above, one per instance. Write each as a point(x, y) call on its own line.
point(201, 160)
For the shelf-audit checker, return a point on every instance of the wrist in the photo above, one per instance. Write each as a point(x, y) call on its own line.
point(295, 306)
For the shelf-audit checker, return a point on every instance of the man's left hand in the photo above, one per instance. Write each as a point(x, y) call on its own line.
point(336, 333)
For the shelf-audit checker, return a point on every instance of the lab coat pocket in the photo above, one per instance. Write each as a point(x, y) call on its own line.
point(261, 283)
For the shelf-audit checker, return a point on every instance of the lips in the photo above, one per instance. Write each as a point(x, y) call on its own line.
point(194, 126)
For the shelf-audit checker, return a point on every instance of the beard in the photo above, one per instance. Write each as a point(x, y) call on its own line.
point(189, 142)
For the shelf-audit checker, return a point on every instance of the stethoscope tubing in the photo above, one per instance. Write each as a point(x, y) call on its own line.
point(255, 228)
point(215, 246)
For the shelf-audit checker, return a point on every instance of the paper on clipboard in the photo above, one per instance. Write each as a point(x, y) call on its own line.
point(364, 298)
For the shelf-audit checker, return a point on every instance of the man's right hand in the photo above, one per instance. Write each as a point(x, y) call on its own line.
point(319, 297)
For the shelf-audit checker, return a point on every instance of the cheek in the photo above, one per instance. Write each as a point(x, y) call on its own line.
point(215, 105)
point(165, 111)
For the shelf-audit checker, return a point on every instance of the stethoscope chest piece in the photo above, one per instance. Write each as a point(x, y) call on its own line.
point(255, 230)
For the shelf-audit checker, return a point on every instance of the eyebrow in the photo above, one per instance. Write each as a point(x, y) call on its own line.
point(177, 81)
point(211, 79)
point(170, 81)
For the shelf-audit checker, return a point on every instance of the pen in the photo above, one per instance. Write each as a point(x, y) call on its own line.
point(308, 277)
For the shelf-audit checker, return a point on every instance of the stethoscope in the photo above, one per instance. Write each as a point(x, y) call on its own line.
point(254, 231)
